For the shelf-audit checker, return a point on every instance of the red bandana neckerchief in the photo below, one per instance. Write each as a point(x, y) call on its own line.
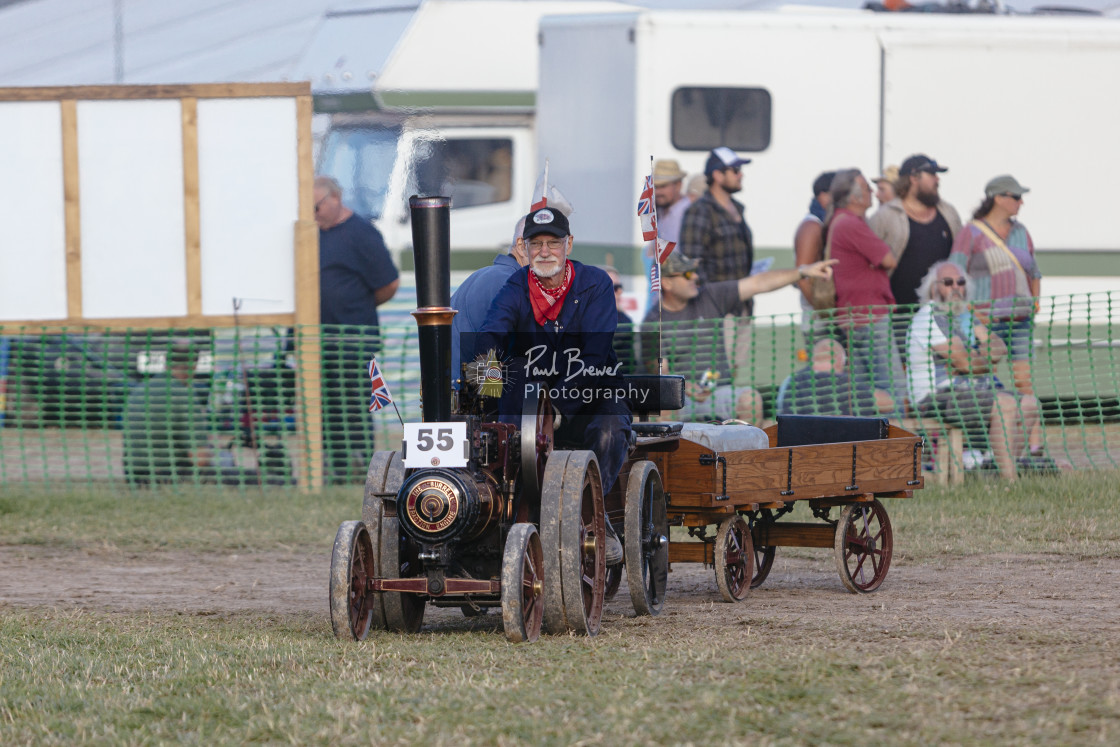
point(548, 302)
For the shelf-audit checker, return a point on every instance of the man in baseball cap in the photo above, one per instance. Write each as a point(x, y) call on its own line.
point(715, 232)
point(919, 228)
point(553, 322)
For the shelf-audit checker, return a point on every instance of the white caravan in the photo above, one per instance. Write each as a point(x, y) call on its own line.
point(801, 92)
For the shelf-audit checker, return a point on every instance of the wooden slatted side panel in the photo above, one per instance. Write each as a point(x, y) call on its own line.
point(825, 470)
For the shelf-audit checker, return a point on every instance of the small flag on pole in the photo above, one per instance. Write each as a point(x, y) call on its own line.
point(646, 210)
point(540, 191)
point(664, 249)
point(655, 278)
point(379, 388)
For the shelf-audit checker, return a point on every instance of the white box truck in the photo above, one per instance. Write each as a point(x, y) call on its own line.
point(801, 92)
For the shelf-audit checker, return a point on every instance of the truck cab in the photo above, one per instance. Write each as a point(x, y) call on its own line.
point(483, 163)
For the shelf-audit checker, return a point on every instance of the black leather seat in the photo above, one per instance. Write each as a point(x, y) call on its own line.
point(802, 430)
point(652, 393)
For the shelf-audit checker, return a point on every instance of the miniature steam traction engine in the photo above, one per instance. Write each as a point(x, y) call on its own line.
point(477, 514)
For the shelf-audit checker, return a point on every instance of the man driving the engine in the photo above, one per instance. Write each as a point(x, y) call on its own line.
point(553, 325)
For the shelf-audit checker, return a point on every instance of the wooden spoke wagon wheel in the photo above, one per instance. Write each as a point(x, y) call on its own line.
point(352, 566)
point(522, 584)
point(763, 554)
point(647, 539)
point(863, 546)
point(573, 532)
point(734, 553)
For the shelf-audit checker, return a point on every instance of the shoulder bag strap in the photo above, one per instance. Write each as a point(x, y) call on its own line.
point(987, 231)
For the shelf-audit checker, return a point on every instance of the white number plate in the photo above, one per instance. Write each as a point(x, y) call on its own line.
point(436, 445)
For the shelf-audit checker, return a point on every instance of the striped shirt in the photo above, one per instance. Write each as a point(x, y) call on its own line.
point(995, 275)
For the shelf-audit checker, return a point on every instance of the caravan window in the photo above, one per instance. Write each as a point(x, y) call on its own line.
point(471, 171)
point(706, 118)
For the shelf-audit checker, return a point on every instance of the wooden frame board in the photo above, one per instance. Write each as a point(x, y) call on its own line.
point(101, 178)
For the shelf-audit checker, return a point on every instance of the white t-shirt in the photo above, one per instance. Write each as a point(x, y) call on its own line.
point(927, 371)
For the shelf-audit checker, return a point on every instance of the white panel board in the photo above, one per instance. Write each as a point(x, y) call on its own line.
point(248, 201)
point(131, 175)
point(32, 220)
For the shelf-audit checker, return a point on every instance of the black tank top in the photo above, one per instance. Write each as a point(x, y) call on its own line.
point(929, 243)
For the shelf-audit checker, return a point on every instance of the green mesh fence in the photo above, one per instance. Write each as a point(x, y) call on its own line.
point(224, 406)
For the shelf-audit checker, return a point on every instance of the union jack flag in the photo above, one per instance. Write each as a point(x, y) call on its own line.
point(379, 395)
point(646, 210)
point(655, 278)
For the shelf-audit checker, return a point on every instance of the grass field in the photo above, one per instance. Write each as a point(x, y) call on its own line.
point(801, 665)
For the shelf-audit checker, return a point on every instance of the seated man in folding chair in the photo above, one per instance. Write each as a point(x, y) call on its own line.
point(950, 375)
point(553, 324)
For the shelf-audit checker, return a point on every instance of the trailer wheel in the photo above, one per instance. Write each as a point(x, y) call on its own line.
point(647, 539)
point(734, 553)
point(763, 554)
point(863, 546)
point(522, 584)
point(352, 566)
point(573, 532)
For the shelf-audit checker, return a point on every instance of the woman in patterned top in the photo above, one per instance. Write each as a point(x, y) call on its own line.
point(998, 254)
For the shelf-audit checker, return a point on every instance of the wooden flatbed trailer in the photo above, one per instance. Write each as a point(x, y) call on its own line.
point(742, 480)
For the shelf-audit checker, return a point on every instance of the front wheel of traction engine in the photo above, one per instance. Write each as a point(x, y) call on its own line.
point(522, 584)
point(352, 566)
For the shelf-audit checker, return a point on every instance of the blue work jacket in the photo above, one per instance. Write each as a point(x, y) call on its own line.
point(573, 356)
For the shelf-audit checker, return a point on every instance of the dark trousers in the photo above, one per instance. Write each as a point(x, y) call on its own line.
point(604, 428)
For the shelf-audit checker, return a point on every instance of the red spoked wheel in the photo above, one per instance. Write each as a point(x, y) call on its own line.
point(734, 553)
point(863, 546)
point(523, 584)
point(352, 566)
point(763, 554)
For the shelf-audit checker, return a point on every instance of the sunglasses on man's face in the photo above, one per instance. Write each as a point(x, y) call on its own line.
point(1017, 198)
point(687, 275)
point(618, 286)
point(950, 282)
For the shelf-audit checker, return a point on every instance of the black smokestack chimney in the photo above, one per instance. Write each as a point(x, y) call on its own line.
point(431, 249)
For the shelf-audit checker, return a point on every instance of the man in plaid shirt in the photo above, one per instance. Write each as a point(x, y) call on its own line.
point(715, 230)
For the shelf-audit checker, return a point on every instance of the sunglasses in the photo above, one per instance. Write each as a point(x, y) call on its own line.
point(950, 282)
point(618, 286)
point(1017, 198)
point(687, 275)
point(320, 202)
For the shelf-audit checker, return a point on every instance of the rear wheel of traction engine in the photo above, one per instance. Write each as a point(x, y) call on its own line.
point(522, 584)
point(400, 612)
point(573, 530)
point(404, 612)
point(863, 546)
point(384, 476)
point(763, 554)
point(734, 553)
point(647, 539)
point(352, 566)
